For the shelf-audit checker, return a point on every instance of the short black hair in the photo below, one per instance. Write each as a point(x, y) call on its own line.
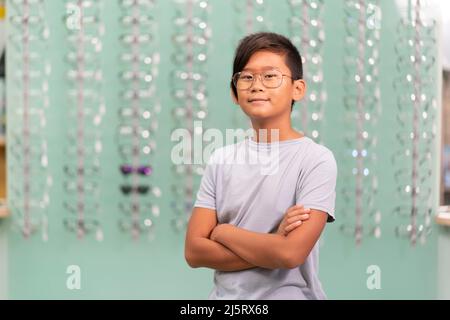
point(267, 41)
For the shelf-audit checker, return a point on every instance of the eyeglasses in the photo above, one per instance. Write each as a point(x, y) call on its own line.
point(85, 187)
point(144, 149)
point(185, 75)
point(140, 189)
point(360, 231)
point(144, 170)
point(408, 191)
point(90, 171)
point(130, 3)
point(84, 226)
point(142, 20)
point(137, 226)
point(130, 208)
point(89, 209)
point(270, 79)
point(413, 232)
point(408, 210)
point(30, 220)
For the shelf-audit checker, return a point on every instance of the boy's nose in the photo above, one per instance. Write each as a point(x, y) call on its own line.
point(257, 84)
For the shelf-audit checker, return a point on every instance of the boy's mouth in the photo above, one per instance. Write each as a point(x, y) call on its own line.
point(257, 99)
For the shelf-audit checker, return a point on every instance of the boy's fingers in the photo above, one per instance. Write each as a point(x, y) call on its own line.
point(292, 226)
point(298, 211)
point(297, 218)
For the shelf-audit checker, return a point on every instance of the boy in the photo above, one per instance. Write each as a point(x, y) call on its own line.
point(235, 225)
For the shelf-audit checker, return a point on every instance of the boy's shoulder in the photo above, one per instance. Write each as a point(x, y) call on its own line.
point(323, 156)
point(320, 149)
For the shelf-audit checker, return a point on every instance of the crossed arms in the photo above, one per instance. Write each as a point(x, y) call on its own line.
point(226, 247)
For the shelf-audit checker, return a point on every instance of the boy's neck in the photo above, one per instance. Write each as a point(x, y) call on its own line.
point(268, 132)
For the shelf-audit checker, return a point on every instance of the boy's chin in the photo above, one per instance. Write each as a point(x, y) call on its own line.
point(261, 113)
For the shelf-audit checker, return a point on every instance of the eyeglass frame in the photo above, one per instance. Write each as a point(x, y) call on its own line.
point(234, 82)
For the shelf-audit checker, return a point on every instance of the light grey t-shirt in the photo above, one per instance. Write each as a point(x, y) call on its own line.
point(251, 185)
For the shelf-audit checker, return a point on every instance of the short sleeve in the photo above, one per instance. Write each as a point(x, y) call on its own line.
point(317, 190)
point(206, 195)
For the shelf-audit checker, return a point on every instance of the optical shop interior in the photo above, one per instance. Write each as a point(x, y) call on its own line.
point(99, 98)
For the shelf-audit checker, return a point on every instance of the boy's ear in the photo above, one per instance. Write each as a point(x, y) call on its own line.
point(233, 97)
point(299, 90)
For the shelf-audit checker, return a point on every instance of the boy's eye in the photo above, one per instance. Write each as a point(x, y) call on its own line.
point(269, 76)
point(246, 77)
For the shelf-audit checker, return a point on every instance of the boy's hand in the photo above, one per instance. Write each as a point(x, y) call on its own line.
point(292, 219)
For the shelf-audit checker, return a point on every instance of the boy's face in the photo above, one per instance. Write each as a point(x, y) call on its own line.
point(261, 103)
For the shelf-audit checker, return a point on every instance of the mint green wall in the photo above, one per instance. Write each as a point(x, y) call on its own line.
point(119, 267)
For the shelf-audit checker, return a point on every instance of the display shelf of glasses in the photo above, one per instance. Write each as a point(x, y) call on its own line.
point(28, 173)
point(362, 109)
point(307, 33)
point(249, 16)
point(138, 123)
point(191, 39)
point(416, 114)
point(85, 112)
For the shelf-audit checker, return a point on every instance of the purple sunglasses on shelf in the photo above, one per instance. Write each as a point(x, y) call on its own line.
point(129, 169)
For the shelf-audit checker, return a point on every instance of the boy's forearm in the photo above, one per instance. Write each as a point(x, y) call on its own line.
point(211, 254)
point(260, 249)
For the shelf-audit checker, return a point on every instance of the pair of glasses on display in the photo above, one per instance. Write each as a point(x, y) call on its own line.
point(88, 208)
point(424, 62)
point(360, 232)
point(197, 24)
point(414, 232)
point(363, 230)
point(143, 149)
point(366, 191)
point(408, 138)
point(133, 150)
point(133, 114)
point(87, 186)
point(137, 226)
point(135, 130)
point(134, 19)
point(311, 44)
point(251, 15)
point(421, 211)
point(408, 46)
point(197, 111)
point(89, 170)
point(137, 94)
point(141, 61)
point(134, 76)
point(87, 76)
point(408, 191)
point(128, 4)
point(192, 95)
point(84, 226)
point(31, 218)
point(419, 176)
point(142, 189)
point(144, 170)
point(34, 152)
point(128, 208)
point(362, 110)
point(138, 219)
point(409, 80)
